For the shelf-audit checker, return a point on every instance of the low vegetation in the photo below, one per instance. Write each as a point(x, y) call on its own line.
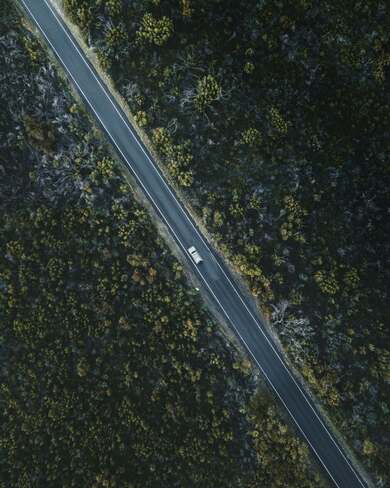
point(272, 118)
point(112, 374)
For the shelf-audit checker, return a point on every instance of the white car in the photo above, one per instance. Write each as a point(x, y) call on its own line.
point(195, 255)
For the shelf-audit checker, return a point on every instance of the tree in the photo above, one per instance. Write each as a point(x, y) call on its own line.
point(154, 31)
point(208, 91)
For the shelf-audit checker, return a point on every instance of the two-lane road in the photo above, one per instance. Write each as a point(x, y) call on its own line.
point(213, 274)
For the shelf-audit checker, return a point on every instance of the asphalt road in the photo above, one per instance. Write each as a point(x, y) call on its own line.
point(239, 311)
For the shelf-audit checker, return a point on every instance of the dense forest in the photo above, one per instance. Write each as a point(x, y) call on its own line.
point(272, 118)
point(112, 373)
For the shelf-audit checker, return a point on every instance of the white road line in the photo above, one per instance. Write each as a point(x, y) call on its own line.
point(130, 129)
point(81, 54)
point(197, 232)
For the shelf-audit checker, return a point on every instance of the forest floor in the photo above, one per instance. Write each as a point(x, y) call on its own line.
point(278, 146)
point(112, 369)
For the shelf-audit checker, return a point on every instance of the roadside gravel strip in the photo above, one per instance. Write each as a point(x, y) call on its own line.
point(212, 272)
